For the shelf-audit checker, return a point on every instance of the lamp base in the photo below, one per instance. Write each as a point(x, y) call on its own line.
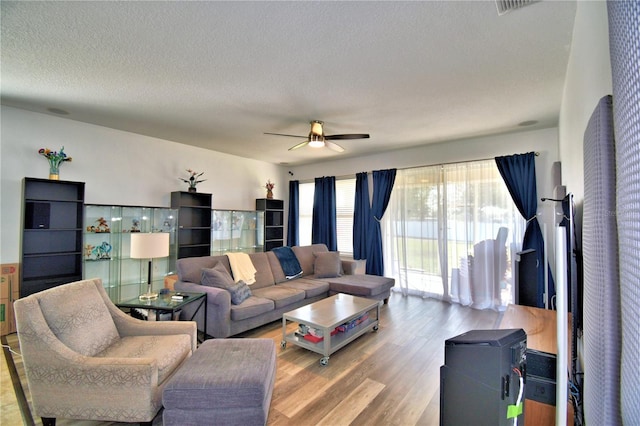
point(148, 296)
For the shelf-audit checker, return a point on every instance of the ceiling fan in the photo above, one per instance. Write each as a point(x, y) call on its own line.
point(317, 138)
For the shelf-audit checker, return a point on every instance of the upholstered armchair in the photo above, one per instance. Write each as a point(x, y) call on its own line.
point(86, 359)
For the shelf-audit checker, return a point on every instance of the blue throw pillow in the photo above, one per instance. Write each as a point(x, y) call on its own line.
point(219, 277)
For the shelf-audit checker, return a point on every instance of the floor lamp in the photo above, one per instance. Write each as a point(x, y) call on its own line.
point(149, 246)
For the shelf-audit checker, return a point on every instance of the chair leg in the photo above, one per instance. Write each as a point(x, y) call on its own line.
point(48, 421)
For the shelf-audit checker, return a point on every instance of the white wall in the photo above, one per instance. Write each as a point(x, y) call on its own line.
point(118, 168)
point(588, 79)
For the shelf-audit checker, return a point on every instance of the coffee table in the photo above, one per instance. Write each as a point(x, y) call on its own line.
point(358, 314)
point(165, 303)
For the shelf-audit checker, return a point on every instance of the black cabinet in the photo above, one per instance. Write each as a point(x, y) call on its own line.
point(194, 223)
point(51, 234)
point(273, 222)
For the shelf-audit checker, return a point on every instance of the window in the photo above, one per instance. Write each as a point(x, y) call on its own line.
point(345, 196)
point(443, 229)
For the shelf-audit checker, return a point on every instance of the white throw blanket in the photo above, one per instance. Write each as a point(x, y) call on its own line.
point(242, 267)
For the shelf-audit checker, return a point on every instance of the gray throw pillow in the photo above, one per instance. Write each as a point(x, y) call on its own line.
point(327, 264)
point(219, 277)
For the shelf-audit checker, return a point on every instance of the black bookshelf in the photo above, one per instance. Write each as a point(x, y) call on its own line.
point(273, 222)
point(51, 234)
point(194, 223)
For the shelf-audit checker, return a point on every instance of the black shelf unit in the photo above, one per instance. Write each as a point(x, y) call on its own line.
point(194, 223)
point(273, 222)
point(51, 234)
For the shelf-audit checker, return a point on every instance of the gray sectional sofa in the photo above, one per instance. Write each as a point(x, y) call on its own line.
point(273, 294)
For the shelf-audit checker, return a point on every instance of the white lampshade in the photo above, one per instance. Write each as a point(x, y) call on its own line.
point(149, 246)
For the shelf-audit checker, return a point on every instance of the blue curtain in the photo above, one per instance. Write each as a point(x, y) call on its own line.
point(324, 223)
point(519, 174)
point(382, 185)
point(361, 214)
point(293, 229)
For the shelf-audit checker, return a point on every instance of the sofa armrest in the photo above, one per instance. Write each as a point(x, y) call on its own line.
point(129, 326)
point(218, 307)
point(349, 266)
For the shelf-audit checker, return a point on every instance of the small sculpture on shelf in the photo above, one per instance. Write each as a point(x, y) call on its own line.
point(193, 179)
point(101, 252)
point(103, 226)
point(135, 225)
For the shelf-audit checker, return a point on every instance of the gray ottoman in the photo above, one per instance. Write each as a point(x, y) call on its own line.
point(369, 286)
point(226, 381)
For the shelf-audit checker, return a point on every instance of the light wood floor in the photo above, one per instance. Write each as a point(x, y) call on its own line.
point(389, 377)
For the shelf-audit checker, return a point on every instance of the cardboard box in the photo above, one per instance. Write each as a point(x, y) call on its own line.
point(9, 291)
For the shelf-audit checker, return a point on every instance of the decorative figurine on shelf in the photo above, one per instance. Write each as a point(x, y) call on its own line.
point(55, 160)
point(101, 252)
point(269, 185)
point(103, 226)
point(193, 179)
point(135, 225)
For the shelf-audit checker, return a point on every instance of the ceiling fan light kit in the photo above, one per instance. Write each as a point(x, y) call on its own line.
point(317, 138)
point(316, 141)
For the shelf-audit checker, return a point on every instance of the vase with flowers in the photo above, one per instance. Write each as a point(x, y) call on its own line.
point(55, 158)
point(193, 180)
point(269, 186)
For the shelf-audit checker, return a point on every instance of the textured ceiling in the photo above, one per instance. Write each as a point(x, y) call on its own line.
point(219, 74)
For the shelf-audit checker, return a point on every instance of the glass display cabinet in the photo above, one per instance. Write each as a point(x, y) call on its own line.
point(236, 230)
point(107, 246)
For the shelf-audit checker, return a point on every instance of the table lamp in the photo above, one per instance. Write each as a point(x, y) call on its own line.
point(149, 246)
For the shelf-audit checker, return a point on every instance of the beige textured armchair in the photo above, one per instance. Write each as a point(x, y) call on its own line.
point(86, 359)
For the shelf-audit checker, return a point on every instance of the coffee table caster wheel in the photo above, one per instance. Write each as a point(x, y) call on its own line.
point(283, 344)
point(324, 361)
point(376, 328)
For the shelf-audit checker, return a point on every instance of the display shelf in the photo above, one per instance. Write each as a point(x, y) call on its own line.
point(51, 234)
point(236, 230)
point(194, 223)
point(122, 276)
point(272, 225)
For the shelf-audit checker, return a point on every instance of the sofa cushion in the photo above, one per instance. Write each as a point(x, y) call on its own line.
point(168, 351)
point(264, 277)
point(219, 277)
point(281, 296)
point(276, 268)
point(306, 257)
point(311, 287)
point(327, 264)
point(251, 307)
point(79, 318)
point(190, 268)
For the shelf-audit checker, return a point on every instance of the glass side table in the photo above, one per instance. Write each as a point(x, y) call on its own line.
point(166, 303)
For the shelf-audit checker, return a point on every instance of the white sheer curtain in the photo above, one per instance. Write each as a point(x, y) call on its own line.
point(451, 232)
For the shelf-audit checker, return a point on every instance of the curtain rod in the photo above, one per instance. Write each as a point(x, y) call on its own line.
point(536, 153)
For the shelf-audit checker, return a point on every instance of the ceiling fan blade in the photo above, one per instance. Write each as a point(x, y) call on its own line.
point(300, 145)
point(348, 136)
point(280, 134)
point(333, 146)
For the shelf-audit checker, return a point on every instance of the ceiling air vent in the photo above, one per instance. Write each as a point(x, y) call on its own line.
point(505, 6)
